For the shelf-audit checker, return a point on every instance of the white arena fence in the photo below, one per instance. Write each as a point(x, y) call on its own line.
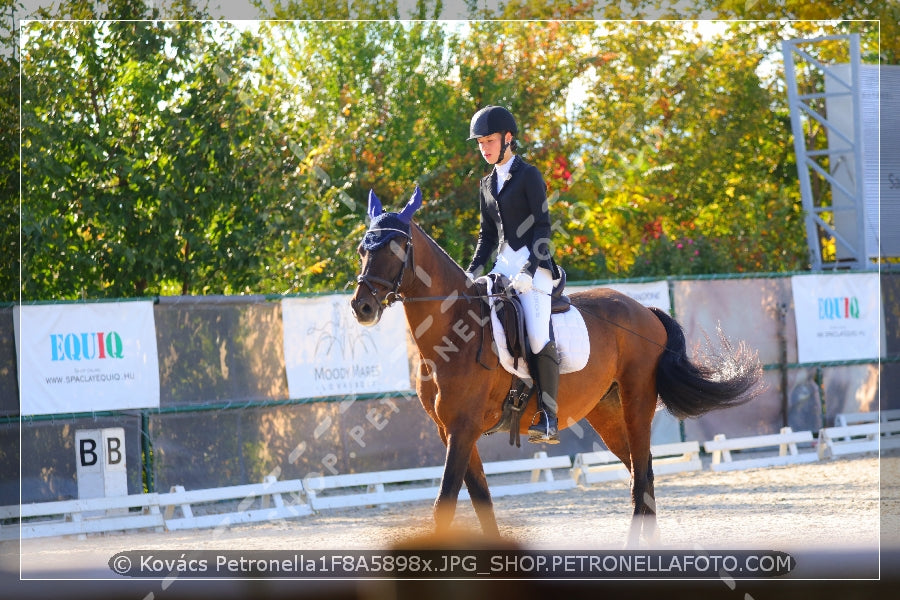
point(231, 442)
point(272, 499)
point(227, 414)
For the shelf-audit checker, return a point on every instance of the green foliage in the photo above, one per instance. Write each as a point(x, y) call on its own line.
point(368, 106)
point(673, 140)
point(9, 156)
point(197, 157)
point(663, 256)
point(134, 173)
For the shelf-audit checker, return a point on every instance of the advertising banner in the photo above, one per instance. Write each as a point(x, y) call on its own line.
point(327, 353)
point(87, 357)
point(653, 293)
point(838, 316)
point(665, 428)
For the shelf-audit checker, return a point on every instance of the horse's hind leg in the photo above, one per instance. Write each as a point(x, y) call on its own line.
point(643, 520)
point(625, 438)
point(648, 526)
point(638, 411)
point(480, 494)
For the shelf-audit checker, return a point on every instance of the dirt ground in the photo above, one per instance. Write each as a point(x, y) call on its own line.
point(851, 504)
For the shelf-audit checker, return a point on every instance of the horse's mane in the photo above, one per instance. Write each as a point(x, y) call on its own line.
point(437, 247)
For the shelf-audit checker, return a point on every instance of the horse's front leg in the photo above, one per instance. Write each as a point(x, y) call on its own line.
point(480, 494)
point(460, 446)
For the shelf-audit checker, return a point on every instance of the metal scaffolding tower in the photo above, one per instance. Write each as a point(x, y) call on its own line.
point(841, 210)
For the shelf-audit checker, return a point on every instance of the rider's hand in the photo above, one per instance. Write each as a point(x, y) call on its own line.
point(522, 282)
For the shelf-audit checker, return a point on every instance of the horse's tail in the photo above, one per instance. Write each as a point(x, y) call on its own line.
point(727, 378)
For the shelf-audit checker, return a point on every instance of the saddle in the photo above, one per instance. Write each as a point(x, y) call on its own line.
point(512, 317)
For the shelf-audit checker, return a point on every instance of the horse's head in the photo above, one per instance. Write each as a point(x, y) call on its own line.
point(385, 252)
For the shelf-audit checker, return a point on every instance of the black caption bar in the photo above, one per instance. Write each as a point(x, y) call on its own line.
point(438, 564)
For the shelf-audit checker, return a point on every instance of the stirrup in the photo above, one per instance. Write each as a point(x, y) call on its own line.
point(537, 436)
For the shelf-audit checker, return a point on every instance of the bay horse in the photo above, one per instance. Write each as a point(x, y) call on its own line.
point(637, 353)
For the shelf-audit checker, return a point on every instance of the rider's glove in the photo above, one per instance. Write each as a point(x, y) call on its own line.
point(522, 282)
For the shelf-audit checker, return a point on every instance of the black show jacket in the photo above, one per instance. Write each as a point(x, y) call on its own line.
point(518, 215)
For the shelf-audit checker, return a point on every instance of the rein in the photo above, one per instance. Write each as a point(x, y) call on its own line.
point(394, 294)
point(404, 299)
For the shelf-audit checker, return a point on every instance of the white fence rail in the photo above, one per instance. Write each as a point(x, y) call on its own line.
point(785, 441)
point(603, 465)
point(859, 432)
point(269, 500)
point(273, 499)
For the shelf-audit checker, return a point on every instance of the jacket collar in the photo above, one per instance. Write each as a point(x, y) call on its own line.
point(507, 168)
point(489, 181)
point(516, 163)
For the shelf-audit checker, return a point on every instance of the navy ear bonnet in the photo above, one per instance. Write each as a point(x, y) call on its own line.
point(383, 229)
point(386, 226)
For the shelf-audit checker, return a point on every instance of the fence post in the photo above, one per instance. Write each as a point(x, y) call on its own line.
point(146, 450)
point(782, 358)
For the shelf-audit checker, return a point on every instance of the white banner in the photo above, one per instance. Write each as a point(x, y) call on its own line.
point(838, 316)
point(665, 428)
point(86, 357)
point(654, 293)
point(327, 353)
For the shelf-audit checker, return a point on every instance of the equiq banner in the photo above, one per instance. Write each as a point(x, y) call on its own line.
point(838, 316)
point(77, 358)
point(327, 353)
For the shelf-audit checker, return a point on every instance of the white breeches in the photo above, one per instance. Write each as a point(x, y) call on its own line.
point(536, 302)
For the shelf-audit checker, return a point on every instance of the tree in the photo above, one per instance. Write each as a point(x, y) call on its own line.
point(671, 148)
point(144, 169)
point(375, 112)
point(853, 15)
point(175, 152)
point(9, 153)
point(627, 218)
point(203, 157)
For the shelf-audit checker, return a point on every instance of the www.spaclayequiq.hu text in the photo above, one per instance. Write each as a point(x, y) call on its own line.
point(356, 564)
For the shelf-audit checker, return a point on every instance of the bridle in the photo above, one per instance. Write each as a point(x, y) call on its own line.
point(393, 294)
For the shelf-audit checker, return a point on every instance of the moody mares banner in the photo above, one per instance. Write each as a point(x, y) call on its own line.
point(327, 353)
point(838, 316)
point(86, 357)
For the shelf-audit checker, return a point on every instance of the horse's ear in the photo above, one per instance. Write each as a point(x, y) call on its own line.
point(412, 206)
point(374, 205)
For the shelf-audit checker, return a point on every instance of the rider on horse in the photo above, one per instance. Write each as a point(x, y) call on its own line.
point(515, 222)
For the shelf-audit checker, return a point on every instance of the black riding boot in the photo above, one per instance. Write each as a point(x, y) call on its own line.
point(546, 372)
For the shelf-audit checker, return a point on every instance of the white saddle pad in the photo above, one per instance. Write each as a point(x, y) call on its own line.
point(569, 331)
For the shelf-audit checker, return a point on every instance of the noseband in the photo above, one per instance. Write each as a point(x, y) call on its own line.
point(393, 294)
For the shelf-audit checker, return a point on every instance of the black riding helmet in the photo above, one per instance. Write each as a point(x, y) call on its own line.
point(493, 119)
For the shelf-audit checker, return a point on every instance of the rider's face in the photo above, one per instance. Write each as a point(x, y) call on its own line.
point(489, 146)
